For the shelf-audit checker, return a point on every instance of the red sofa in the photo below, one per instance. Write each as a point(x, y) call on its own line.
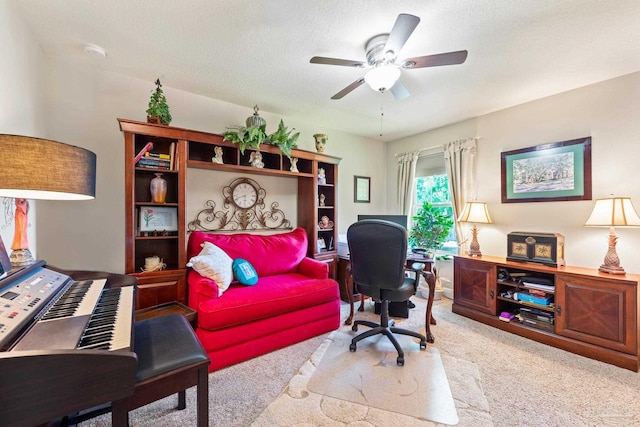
point(293, 300)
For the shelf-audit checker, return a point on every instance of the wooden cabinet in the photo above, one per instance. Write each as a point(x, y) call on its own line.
point(597, 311)
point(193, 149)
point(583, 311)
point(479, 278)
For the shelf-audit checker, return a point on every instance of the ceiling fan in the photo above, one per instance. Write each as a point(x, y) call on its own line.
point(382, 54)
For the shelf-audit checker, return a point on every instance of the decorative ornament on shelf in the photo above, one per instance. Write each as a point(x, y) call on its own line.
point(153, 263)
point(255, 120)
point(325, 223)
point(217, 158)
point(294, 165)
point(321, 141)
point(321, 200)
point(158, 111)
point(321, 176)
point(158, 187)
point(255, 159)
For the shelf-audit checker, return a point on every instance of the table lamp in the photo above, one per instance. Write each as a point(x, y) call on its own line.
point(35, 168)
point(613, 212)
point(476, 213)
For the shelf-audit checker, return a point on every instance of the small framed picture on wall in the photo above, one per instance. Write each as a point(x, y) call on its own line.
point(361, 189)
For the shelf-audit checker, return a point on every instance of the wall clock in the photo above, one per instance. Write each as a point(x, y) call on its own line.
point(244, 194)
point(243, 208)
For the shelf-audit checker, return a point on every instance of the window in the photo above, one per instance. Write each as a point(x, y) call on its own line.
point(432, 185)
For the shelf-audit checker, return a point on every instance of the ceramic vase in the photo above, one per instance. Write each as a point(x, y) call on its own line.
point(321, 141)
point(158, 189)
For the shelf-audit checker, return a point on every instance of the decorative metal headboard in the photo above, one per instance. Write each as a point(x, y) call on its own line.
point(248, 214)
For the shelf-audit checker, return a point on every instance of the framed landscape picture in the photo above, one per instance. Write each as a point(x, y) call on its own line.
point(560, 171)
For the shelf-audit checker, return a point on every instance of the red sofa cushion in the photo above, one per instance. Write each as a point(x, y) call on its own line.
point(271, 296)
point(268, 254)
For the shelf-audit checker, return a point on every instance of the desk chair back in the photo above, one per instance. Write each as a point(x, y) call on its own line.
point(378, 251)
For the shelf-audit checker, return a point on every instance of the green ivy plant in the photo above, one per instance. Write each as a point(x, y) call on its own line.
point(246, 137)
point(253, 136)
point(283, 139)
point(430, 228)
point(158, 106)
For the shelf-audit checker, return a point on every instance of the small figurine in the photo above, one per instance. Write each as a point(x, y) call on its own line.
point(322, 197)
point(325, 223)
point(218, 156)
point(294, 165)
point(256, 159)
point(321, 178)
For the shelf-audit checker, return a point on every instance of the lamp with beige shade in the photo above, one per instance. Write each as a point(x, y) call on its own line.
point(476, 213)
point(613, 212)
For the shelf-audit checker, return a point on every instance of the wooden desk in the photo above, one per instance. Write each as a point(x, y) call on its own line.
point(346, 285)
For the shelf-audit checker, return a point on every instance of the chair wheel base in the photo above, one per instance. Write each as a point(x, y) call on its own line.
point(400, 361)
point(354, 328)
point(352, 347)
point(423, 344)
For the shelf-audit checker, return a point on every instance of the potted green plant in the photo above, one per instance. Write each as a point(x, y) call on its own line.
point(158, 111)
point(283, 139)
point(246, 137)
point(430, 228)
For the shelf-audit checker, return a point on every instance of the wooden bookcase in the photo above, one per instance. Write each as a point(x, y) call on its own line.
point(195, 149)
point(594, 314)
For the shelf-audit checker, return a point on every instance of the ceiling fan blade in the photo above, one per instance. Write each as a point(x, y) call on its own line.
point(399, 91)
point(336, 61)
point(402, 29)
point(349, 88)
point(450, 58)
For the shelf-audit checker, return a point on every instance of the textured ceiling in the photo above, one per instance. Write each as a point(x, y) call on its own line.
point(257, 52)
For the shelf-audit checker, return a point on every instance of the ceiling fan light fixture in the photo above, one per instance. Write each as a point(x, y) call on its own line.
point(382, 77)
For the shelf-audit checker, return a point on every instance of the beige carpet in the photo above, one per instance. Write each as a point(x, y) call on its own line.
point(495, 378)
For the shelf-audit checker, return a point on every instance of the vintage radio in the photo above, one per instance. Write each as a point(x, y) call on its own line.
point(541, 248)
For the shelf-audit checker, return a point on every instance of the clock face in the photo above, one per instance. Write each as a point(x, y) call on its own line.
point(244, 195)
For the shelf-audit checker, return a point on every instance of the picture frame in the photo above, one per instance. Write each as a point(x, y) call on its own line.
point(155, 218)
point(361, 189)
point(559, 171)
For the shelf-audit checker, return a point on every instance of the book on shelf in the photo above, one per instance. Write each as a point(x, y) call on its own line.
point(157, 155)
point(144, 162)
point(172, 156)
point(148, 146)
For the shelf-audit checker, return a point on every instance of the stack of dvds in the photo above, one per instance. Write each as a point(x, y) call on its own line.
point(535, 318)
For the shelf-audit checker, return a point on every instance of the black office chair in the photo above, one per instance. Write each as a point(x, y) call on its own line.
point(378, 251)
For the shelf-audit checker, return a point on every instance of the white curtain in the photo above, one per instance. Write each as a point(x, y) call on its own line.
point(406, 174)
point(460, 162)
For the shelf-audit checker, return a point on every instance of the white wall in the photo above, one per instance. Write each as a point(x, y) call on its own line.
point(83, 105)
point(22, 106)
point(608, 112)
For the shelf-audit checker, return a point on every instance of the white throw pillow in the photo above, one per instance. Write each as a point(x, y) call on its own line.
point(213, 263)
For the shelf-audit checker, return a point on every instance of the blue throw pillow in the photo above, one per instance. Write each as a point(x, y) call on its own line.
point(244, 272)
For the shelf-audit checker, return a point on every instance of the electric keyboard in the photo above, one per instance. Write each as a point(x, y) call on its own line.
point(65, 344)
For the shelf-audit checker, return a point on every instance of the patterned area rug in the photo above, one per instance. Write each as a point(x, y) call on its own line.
point(337, 387)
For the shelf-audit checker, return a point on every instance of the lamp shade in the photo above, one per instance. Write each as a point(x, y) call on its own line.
point(475, 212)
point(613, 212)
point(35, 168)
point(382, 77)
